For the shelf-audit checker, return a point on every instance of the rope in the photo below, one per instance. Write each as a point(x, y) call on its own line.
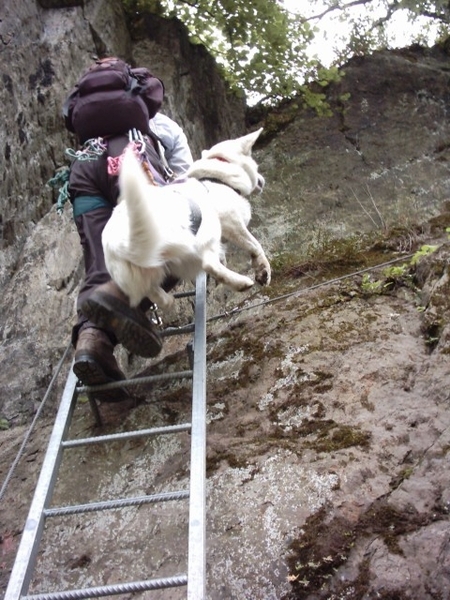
point(61, 179)
point(90, 150)
point(236, 310)
point(36, 417)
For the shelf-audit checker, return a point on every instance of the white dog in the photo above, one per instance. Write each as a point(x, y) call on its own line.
point(150, 233)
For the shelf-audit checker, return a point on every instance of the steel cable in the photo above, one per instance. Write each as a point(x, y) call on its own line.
point(33, 423)
point(223, 315)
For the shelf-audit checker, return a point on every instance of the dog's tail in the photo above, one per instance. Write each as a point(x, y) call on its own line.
point(144, 234)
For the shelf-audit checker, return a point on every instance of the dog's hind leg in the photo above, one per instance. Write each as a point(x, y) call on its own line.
point(211, 264)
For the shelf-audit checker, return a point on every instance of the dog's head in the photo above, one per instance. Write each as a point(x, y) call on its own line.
point(231, 162)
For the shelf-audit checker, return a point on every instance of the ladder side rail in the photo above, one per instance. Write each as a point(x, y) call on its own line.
point(196, 588)
point(26, 555)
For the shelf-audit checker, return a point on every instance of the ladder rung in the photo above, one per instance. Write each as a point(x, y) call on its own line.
point(75, 509)
point(177, 330)
point(110, 590)
point(132, 382)
point(184, 294)
point(126, 435)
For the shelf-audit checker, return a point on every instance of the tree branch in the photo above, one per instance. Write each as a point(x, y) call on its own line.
point(392, 8)
point(342, 7)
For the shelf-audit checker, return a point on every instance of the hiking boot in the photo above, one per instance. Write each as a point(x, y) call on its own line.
point(109, 308)
point(95, 364)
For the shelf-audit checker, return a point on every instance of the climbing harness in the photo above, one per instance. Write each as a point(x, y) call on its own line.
point(94, 148)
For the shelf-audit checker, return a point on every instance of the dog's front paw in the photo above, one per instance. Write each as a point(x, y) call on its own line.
point(245, 284)
point(263, 277)
point(262, 269)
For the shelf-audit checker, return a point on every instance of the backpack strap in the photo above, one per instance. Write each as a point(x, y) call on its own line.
point(158, 146)
point(146, 151)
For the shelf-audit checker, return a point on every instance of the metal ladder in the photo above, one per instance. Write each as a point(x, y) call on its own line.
point(195, 578)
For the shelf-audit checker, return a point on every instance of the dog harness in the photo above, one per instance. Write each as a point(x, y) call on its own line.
point(215, 180)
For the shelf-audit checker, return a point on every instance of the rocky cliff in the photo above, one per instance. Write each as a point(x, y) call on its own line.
point(328, 420)
point(43, 52)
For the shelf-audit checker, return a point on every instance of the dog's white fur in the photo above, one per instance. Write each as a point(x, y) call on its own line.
point(149, 233)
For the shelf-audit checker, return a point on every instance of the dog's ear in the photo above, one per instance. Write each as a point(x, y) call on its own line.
point(247, 141)
point(231, 148)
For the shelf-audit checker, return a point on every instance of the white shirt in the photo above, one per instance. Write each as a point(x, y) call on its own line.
point(174, 140)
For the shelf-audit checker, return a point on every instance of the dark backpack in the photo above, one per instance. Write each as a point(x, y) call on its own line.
point(110, 98)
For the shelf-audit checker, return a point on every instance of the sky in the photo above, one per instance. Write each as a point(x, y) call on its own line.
point(400, 32)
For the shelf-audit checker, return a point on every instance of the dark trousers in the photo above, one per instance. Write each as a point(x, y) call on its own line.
point(90, 226)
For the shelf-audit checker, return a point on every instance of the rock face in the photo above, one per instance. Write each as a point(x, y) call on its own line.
point(43, 53)
point(381, 158)
point(328, 420)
